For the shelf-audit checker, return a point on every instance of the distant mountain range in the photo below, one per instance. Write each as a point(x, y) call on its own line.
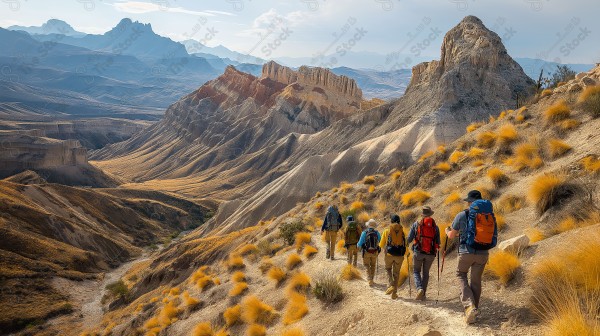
point(52, 26)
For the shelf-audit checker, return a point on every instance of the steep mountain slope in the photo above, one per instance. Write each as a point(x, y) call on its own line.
point(53, 231)
point(528, 145)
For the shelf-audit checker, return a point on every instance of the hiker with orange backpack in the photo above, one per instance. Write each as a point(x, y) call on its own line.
point(393, 243)
point(369, 244)
point(351, 237)
point(478, 232)
point(425, 236)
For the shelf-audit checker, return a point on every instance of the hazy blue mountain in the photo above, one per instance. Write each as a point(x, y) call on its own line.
point(195, 47)
point(378, 84)
point(52, 26)
point(532, 67)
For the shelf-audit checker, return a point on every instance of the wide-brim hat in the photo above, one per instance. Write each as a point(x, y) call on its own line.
point(472, 196)
point(426, 211)
point(372, 223)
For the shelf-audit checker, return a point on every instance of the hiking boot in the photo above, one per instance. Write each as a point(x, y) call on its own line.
point(332, 258)
point(420, 294)
point(470, 314)
point(394, 295)
point(371, 283)
point(390, 290)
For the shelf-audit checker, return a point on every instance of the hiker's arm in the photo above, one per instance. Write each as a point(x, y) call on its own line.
point(437, 236)
point(383, 239)
point(340, 220)
point(452, 231)
point(361, 241)
point(324, 224)
point(412, 233)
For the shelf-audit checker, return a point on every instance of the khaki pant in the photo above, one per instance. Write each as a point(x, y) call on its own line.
point(470, 293)
point(352, 254)
point(370, 261)
point(421, 265)
point(330, 240)
point(392, 267)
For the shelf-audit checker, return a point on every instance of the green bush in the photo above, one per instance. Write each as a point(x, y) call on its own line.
point(118, 289)
point(288, 231)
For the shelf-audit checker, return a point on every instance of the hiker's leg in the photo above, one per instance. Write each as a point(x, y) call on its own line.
point(417, 265)
point(476, 272)
point(327, 244)
point(332, 242)
point(396, 270)
point(427, 262)
point(355, 257)
point(372, 265)
point(465, 261)
point(349, 256)
point(389, 262)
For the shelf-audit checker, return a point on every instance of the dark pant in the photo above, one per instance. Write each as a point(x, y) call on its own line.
point(470, 293)
point(422, 263)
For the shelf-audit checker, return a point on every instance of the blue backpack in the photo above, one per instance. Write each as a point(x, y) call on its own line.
point(482, 231)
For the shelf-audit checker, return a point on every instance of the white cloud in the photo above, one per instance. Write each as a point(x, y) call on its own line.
point(139, 7)
point(269, 20)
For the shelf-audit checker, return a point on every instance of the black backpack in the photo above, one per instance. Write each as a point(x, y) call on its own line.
point(371, 241)
point(395, 250)
point(332, 219)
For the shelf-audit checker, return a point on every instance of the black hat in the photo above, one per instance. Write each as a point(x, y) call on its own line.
point(395, 218)
point(472, 196)
point(350, 218)
point(426, 211)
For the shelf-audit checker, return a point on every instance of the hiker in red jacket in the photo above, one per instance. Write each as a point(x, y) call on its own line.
point(425, 236)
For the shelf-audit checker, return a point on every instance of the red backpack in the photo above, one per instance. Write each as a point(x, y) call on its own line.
point(425, 239)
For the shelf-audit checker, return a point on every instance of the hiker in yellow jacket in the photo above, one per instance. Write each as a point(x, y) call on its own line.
point(393, 243)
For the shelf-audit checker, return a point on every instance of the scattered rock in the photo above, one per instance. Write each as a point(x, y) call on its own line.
point(426, 331)
point(414, 318)
point(516, 244)
point(588, 81)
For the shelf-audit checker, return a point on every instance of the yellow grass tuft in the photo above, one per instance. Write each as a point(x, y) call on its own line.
point(357, 206)
point(381, 206)
point(256, 311)
point(301, 239)
point(414, 197)
point(557, 112)
point(309, 251)
point(546, 92)
point(476, 152)
point(299, 282)
point(248, 249)
point(497, 176)
point(441, 149)
point(478, 163)
point(265, 265)
point(343, 199)
point(590, 164)
point(174, 291)
point(238, 276)
point(319, 205)
point(426, 155)
point(369, 179)
point(296, 308)
point(203, 329)
point(527, 155)
point(232, 315)
point(407, 216)
point(569, 124)
point(473, 126)
point(276, 274)
point(503, 266)
point(238, 289)
point(363, 217)
point(235, 262)
point(371, 188)
point(395, 175)
point(189, 301)
point(589, 100)
point(509, 203)
point(486, 139)
point(292, 261)
point(500, 221)
point(454, 197)
point(456, 156)
point(535, 235)
point(442, 167)
point(168, 314)
point(507, 134)
point(350, 272)
point(293, 332)
point(557, 148)
point(256, 330)
point(345, 187)
point(340, 248)
point(546, 190)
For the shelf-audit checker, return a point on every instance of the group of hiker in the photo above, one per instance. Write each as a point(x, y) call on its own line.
point(475, 226)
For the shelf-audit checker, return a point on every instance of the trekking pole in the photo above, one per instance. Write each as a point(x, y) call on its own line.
point(376, 267)
point(408, 275)
point(438, 291)
point(444, 254)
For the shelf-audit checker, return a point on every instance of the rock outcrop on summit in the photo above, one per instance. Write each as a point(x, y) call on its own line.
point(273, 141)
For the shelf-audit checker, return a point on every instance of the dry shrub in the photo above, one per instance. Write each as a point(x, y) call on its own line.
point(473, 126)
point(238, 289)
point(256, 311)
point(589, 100)
point(546, 92)
point(486, 139)
point(340, 248)
point(381, 206)
point(203, 329)
point(309, 251)
point(557, 148)
point(503, 266)
point(509, 203)
point(590, 164)
point(299, 282)
point(343, 199)
point(319, 205)
point(408, 216)
point(478, 163)
point(527, 155)
point(363, 217)
point(276, 274)
point(557, 112)
point(292, 261)
point(535, 235)
point(487, 192)
point(500, 221)
point(395, 175)
point(205, 282)
point(296, 308)
point(238, 276)
point(454, 197)
point(426, 155)
point(568, 124)
point(265, 265)
point(476, 152)
point(507, 134)
point(328, 288)
point(232, 315)
point(293, 332)
point(497, 176)
point(371, 188)
point(369, 179)
point(235, 262)
point(256, 330)
point(414, 197)
point(357, 206)
point(301, 239)
point(190, 302)
point(582, 220)
point(456, 156)
point(175, 291)
point(345, 187)
point(548, 190)
point(441, 149)
point(248, 249)
point(442, 167)
point(350, 272)
point(168, 314)
point(566, 288)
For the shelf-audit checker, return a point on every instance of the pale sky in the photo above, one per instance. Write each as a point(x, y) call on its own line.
point(565, 31)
